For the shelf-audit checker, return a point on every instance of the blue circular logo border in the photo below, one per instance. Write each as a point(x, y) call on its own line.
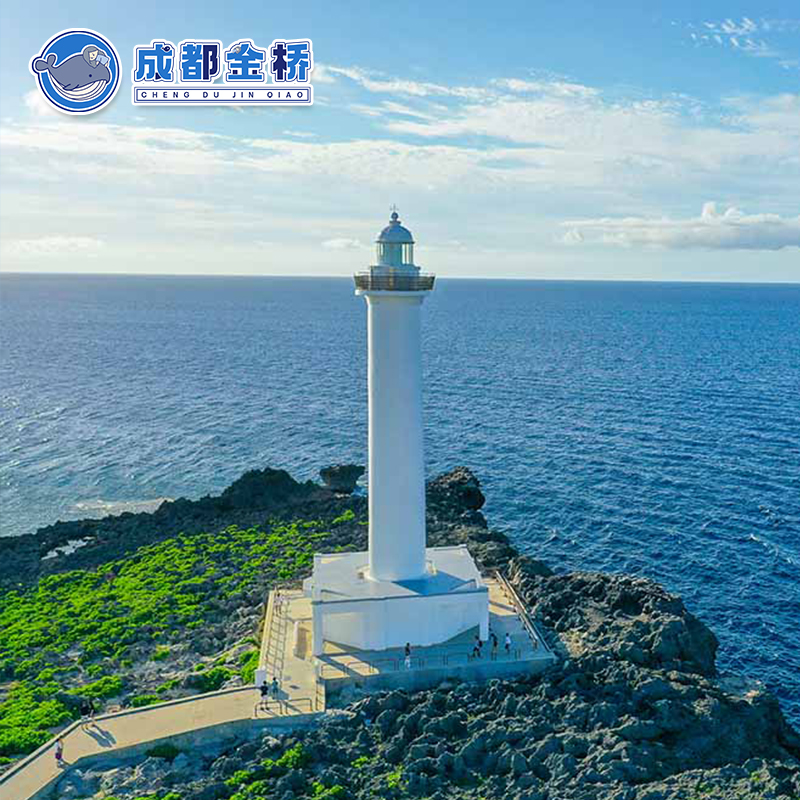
point(97, 106)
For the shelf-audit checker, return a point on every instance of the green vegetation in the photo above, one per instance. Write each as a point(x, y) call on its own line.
point(321, 792)
point(248, 663)
point(81, 625)
point(162, 652)
point(212, 679)
point(251, 784)
point(168, 685)
point(394, 779)
point(347, 516)
point(109, 686)
point(27, 713)
point(142, 700)
point(167, 751)
point(362, 761)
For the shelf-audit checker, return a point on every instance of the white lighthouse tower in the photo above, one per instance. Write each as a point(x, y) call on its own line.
point(399, 590)
point(394, 290)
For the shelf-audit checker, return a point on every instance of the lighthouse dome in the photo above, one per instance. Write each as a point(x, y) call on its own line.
point(395, 233)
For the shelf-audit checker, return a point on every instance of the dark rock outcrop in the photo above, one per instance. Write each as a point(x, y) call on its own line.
point(342, 477)
point(249, 500)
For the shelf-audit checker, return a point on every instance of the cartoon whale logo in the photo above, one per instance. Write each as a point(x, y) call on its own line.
point(78, 71)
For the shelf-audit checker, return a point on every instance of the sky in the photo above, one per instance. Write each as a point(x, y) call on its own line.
point(571, 140)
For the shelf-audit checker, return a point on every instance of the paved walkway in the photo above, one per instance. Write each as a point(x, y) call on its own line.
point(126, 729)
point(286, 649)
point(135, 727)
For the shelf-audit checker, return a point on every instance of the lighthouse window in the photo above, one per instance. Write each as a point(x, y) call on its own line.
point(408, 253)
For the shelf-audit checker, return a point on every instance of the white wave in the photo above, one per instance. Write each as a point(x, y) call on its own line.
point(65, 549)
point(104, 508)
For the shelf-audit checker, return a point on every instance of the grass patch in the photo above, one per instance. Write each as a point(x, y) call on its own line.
point(78, 625)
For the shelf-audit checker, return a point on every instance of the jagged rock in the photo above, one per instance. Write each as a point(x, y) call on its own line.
point(459, 488)
point(342, 478)
point(264, 489)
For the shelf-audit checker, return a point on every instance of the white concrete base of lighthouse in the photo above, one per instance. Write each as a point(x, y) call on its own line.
point(353, 609)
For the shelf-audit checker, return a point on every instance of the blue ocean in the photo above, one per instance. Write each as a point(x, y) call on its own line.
point(634, 427)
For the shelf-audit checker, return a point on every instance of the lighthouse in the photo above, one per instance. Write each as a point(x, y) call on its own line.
point(394, 289)
point(398, 591)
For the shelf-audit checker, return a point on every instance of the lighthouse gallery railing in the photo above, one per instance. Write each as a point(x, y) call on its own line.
point(367, 281)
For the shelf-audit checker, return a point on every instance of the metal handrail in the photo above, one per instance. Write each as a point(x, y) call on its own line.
point(319, 698)
point(284, 707)
point(394, 282)
point(422, 662)
point(530, 626)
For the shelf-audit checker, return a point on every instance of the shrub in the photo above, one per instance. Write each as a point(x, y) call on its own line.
point(347, 516)
point(162, 652)
point(294, 758)
point(212, 679)
point(109, 686)
point(26, 715)
point(248, 663)
point(142, 700)
point(394, 779)
point(167, 685)
point(321, 792)
point(167, 751)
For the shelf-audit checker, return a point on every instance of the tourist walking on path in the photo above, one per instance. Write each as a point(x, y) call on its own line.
point(508, 644)
point(275, 687)
point(493, 637)
point(408, 655)
point(263, 702)
point(476, 649)
point(59, 752)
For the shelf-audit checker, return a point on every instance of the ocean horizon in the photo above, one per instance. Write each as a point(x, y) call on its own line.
point(639, 427)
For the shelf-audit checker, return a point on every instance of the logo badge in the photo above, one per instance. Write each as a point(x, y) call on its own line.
point(200, 72)
point(78, 71)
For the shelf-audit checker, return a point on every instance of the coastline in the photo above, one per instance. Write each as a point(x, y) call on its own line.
point(634, 704)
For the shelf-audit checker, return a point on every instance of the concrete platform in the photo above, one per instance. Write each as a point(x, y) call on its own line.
point(368, 613)
point(289, 648)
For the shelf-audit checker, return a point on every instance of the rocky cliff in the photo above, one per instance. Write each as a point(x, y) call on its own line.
point(634, 709)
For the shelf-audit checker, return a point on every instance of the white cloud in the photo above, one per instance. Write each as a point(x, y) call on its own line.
point(750, 37)
point(518, 153)
point(322, 74)
point(556, 88)
point(730, 230)
point(38, 106)
point(51, 247)
point(343, 244)
point(380, 83)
